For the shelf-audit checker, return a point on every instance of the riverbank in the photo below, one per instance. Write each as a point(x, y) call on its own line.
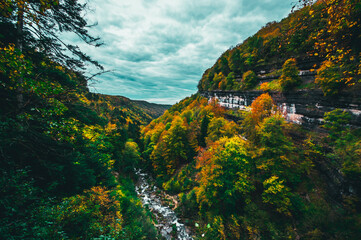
point(166, 220)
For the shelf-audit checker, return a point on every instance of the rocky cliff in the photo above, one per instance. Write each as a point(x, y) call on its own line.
point(306, 107)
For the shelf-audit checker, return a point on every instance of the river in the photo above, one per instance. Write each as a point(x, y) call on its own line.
point(167, 221)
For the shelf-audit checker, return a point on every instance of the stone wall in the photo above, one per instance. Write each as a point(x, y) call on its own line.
point(306, 107)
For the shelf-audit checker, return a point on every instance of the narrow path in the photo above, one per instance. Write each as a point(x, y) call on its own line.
point(167, 221)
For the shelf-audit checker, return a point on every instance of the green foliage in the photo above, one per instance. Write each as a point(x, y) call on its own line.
point(219, 127)
point(224, 178)
point(289, 78)
point(181, 181)
point(176, 142)
point(249, 80)
point(263, 186)
point(235, 61)
point(204, 130)
point(95, 213)
point(326, 31)
point(275, 149)
point(131, 158)
point(172, 141)
point(346, 145)
point(329, 78)
point(215, 230)
point(277, 194)
point(336, 121)
point(188, 202)
point(230, 81)
point(56, 141)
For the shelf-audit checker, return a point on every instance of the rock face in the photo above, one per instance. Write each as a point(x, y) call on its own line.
point(306, 107)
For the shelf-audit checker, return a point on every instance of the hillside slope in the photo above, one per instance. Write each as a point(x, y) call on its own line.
point(153, 110)
point(67, 155)
point(323, 38)
point(259, 178)
point(251, 174)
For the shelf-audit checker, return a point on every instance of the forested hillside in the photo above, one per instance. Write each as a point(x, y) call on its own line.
point(258, 178)
point(70, 159)
point(67, 155)
point(151, 109)
point(323, 38)
point(251, 174)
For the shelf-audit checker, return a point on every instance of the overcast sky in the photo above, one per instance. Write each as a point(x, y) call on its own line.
point(158, 49)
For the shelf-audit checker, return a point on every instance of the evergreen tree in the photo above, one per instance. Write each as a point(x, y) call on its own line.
point(204, 129)
point(289, 78)
point(39, 23)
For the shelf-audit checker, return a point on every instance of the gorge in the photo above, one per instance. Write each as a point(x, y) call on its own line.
point(268, 148)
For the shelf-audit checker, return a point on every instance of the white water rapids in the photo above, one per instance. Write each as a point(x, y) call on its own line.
point(165, 216)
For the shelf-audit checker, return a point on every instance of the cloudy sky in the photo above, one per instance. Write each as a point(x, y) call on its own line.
point(158, 50)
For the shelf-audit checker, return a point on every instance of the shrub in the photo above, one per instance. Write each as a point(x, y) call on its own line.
point(277, 194)
point(249, 80)
point(94, 213)
point(329, 78)
point(289, 78)
point(336, 121)
point(271, 86)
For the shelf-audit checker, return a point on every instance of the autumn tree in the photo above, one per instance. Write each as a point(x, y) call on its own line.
point(45, 20)
point(219, 127)
point(289, 78)
point(261, 108)
point(249, 80)
point(338, 42)
point(235, 63)
point(329, 78)
point(224, 177)
point(277, 194)
point(274, 149)
point(217, 80)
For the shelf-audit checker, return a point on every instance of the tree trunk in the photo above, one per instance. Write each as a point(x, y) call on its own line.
point(19, 45)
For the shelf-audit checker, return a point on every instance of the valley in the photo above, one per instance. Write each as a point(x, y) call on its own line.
point(269, 147)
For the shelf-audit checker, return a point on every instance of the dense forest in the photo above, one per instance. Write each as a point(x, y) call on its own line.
point(69, 157)
point(259, 178)
point(323, 38)
point(250, 174)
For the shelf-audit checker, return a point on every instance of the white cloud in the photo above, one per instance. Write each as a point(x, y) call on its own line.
point(159, 49)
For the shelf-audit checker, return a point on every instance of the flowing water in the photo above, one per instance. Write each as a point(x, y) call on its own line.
point(168, 223)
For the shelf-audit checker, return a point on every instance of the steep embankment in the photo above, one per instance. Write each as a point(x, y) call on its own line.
point(67, 155)
point(324, 36)
point(314, 49)
point(306, 107)
point(258, 176)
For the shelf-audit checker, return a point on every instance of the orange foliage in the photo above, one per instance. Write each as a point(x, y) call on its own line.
point(96, 206)
point(262, 107)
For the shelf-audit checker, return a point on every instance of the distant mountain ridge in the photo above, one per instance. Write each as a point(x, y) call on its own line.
point(154, 110)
